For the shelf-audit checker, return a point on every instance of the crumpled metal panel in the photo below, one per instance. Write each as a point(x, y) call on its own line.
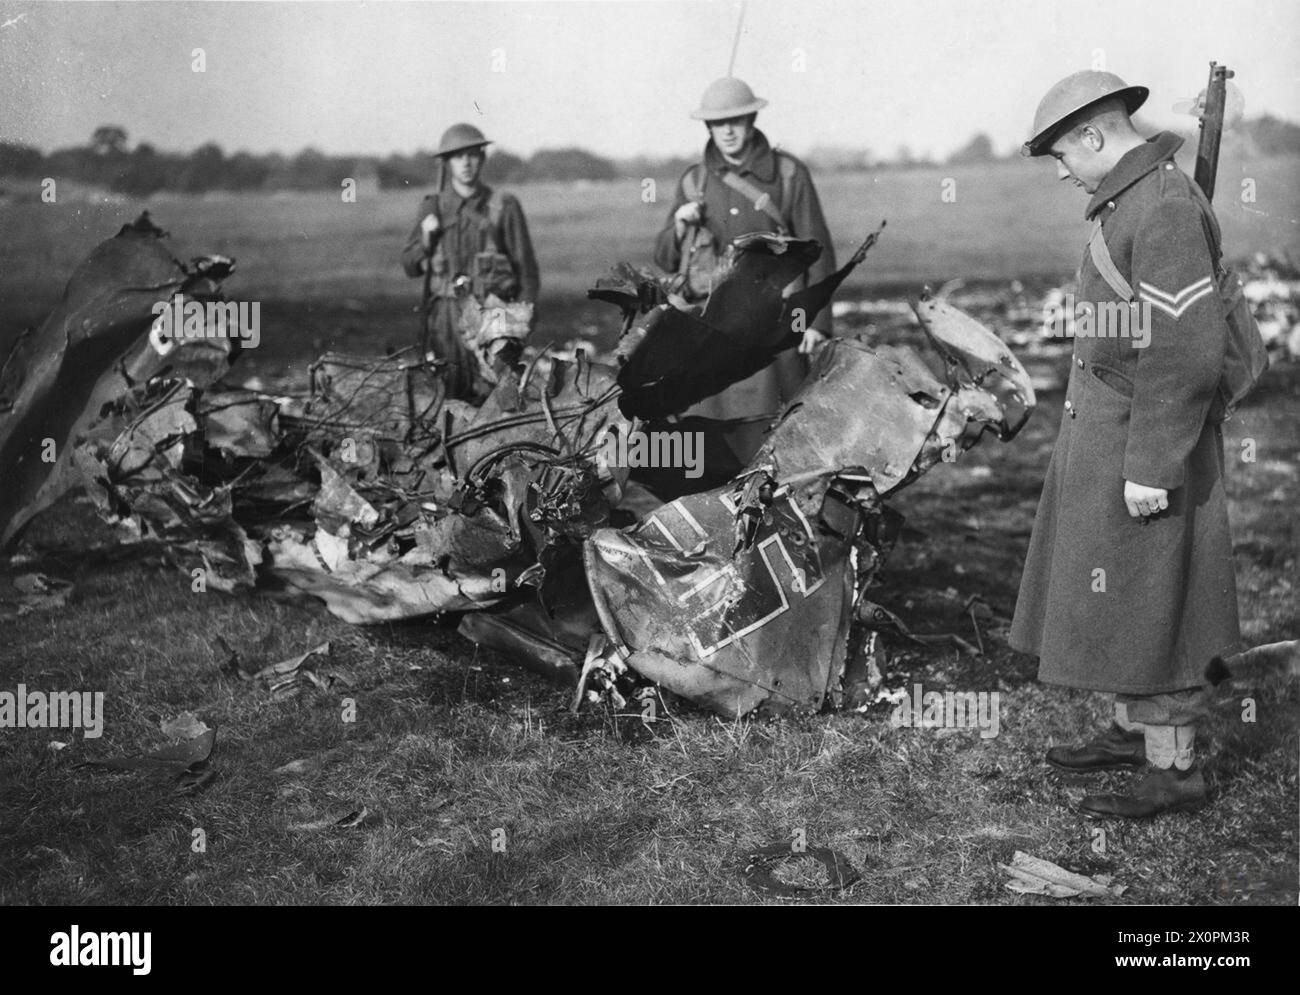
point(239, 423)
point(738, 618)
point(675, 356)
point(132, 462)
point(883, 403)
point(745, 304)
point(458, 562)
point(491, 328)
point(768, 627)
point(980, 359)
point(374, 588)
point(532, 638)
point(54, 381)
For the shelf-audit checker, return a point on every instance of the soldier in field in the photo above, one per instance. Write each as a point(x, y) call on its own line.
point(741, 185)
point(1129, 587)
point(469, 241)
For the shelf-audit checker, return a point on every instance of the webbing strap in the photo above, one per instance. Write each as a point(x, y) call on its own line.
point(694, 179)
point(1111, 274)
point(1106, 266)
point(762, 201)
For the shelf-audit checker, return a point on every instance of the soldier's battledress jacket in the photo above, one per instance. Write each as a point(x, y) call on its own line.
point(1106, 602)
point(727, 214)
point(491, 247)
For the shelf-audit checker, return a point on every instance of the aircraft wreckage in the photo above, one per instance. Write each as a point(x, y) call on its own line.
point(371, 490)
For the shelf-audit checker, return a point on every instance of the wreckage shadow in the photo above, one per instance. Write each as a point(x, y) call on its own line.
point(458, 671)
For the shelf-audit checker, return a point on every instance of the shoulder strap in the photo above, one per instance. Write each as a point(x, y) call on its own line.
point(491, 234)
point(1106, 266)
point(439, 253)
point(495, 205)
point(761, 200)
point(693, 181)
point(692, 184)
point(786, 167)
point(1207, 211)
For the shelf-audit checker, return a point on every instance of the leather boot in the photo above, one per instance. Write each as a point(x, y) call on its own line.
point(1114, 749)
point(1157, 790)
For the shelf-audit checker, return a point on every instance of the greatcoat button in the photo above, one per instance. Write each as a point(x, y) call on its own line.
point(735, 210)
point(1080, 362)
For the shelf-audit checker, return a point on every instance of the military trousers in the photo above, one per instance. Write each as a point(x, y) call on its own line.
point(1167, 722)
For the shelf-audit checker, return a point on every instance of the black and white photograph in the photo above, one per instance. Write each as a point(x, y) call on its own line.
point(685, 453)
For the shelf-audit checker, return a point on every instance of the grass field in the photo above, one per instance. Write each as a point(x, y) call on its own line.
point(450, 744)
point(328, 272)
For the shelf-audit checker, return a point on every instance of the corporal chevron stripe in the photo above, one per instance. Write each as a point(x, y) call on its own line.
point(1175, 304)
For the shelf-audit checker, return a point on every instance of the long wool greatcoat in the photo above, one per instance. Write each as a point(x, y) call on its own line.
point(727, 214)
point(1108, 603)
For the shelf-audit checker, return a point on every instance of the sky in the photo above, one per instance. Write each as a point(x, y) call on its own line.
point(619, 78)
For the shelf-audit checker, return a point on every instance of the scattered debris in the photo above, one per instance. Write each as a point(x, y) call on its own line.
point(1272, 286)
point(186, 762)
point(191, 782)
point(185, 726)
point(289, 676)
point(348, 817)
point(1280, 658)
point(779, 870)
point(89, 349)
point(864, 674)
point(353, 819)
point(434, 842)
point(305, 765)
point(372, 491)
point(1035, 876)
point(37, 592)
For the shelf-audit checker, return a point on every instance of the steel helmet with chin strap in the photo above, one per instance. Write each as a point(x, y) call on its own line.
point(1073, 94)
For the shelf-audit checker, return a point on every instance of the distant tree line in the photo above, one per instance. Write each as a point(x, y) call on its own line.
point(107, 161)
point(1262, 136)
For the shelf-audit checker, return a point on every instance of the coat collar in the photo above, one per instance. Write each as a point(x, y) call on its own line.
point(760, 160)
point(1132, 166)
point(453, 201)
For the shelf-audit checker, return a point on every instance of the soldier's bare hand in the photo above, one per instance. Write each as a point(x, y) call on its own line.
point(811, 340)
point(689, 213)
point(1143, 501)
point(428, 226)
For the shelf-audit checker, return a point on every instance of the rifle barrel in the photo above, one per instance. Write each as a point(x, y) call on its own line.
point(1207, 152)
